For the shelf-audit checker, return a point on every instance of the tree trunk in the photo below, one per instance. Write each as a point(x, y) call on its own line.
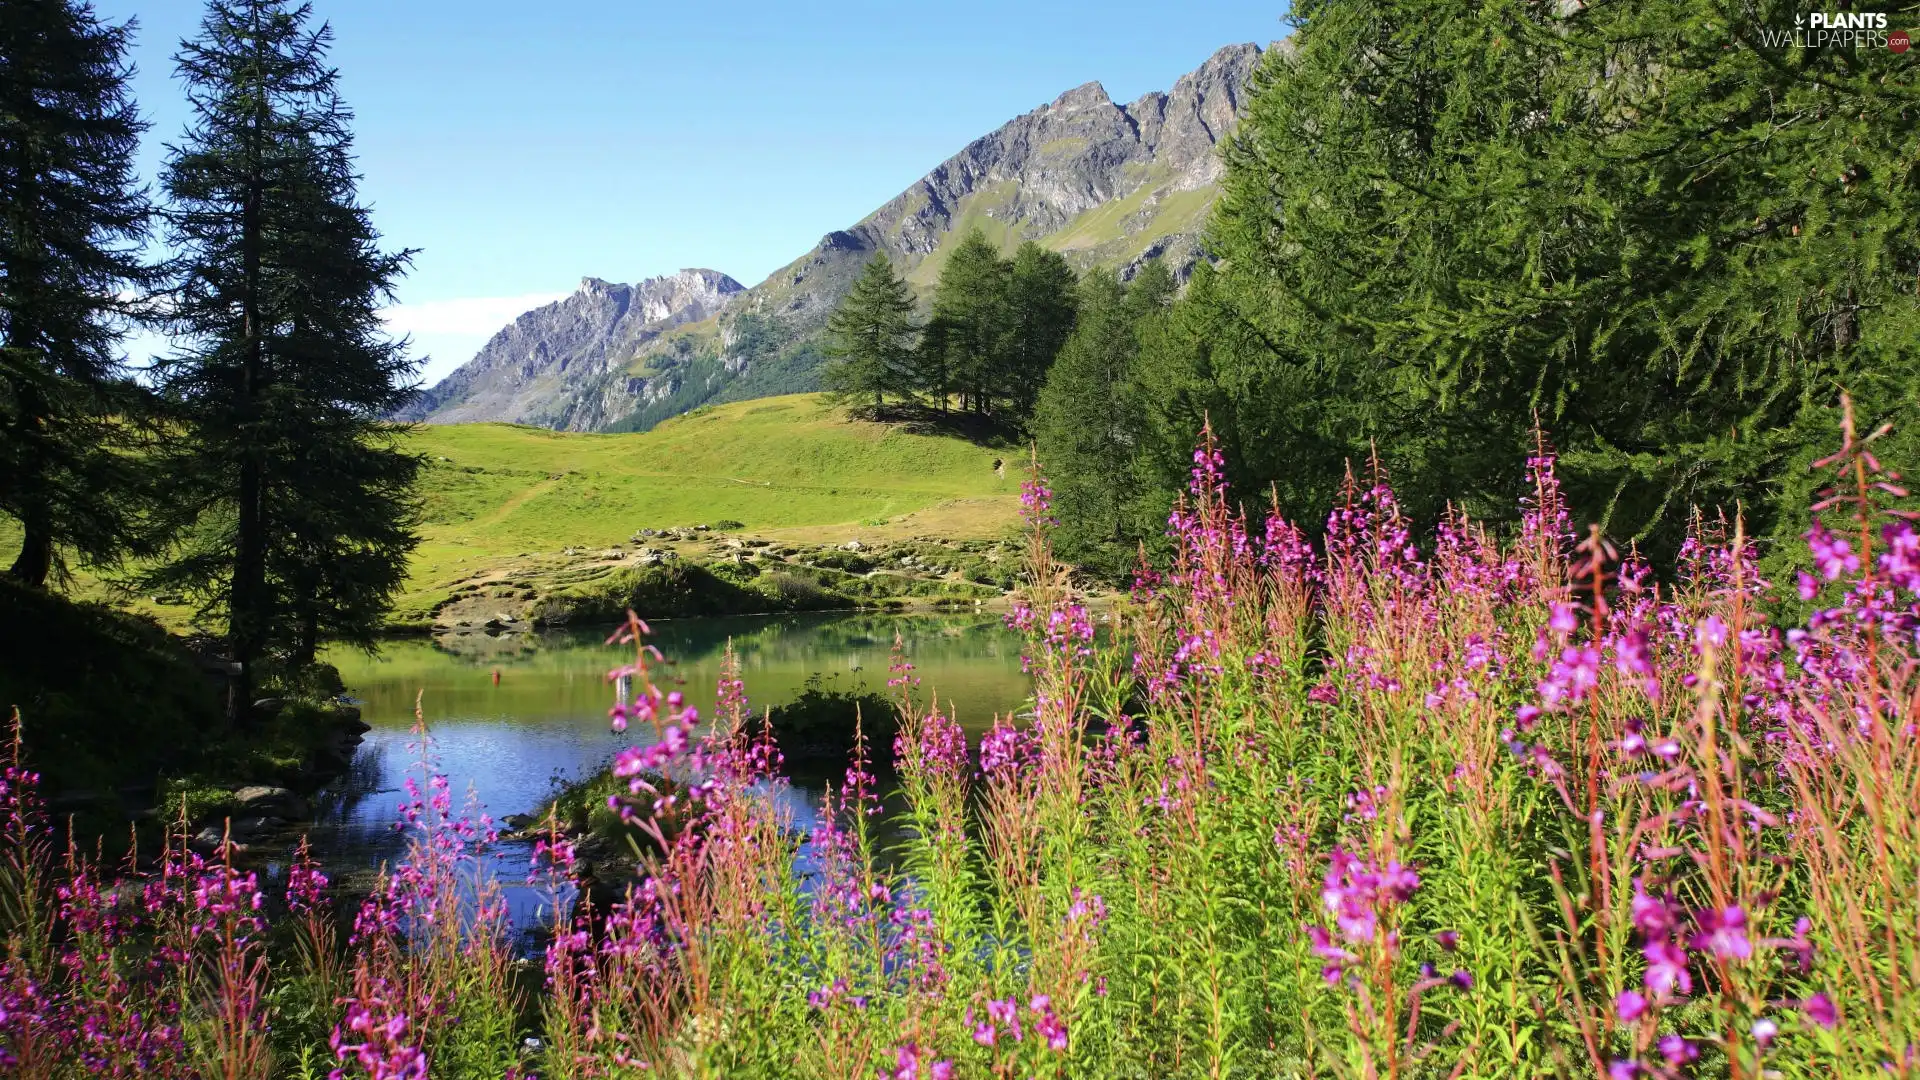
point(307, 649)
point(35, 560)
point(245, 613)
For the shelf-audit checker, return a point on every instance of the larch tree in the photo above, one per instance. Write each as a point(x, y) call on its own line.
point(301, 500)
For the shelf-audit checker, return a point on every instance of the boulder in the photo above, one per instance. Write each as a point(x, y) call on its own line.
point(853, 545)
point(208, 840)
point(262, 800)
point(248, 828)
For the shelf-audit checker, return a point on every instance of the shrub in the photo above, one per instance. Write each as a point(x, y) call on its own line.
point(820, 723)
point(851, 562)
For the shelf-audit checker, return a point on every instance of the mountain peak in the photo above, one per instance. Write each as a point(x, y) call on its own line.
point(1087, 95)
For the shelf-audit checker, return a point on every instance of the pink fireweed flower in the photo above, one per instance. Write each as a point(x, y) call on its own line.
point(1667, 973)
point(1047, 1024)
point(1819, 1009)
point(1323, 947)
point(1564, 619)
point(935, 745)
point(1003, 1015)
point(1677, 1050)
point(1356, 893)
point(1630, 1005)
point(306, 885)
point(1364, 805)
point(1723, 933)
point(1004, 751)
point(1651, 915)
point(1036, 502)
point(1832, 555)
point(910, 1062)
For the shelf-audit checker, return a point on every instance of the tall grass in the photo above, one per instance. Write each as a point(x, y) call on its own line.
point(1393, 807)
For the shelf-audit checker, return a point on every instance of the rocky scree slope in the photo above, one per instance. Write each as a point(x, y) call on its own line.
point(1103, 183)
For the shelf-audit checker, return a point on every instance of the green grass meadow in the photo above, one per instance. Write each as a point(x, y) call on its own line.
point(794, 468)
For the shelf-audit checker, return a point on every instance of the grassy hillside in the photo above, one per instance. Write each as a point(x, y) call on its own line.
point(502, 500)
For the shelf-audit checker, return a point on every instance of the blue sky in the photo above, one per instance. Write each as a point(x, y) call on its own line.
point(523, 145)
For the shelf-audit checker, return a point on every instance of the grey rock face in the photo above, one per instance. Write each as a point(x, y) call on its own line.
point(522, 373)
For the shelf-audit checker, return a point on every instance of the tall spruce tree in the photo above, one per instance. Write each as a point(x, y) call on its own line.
point(960, 354)
point(871, 337)
point(72, 221)
point(302, 500)
point(1087, 423)
point(1039, 317)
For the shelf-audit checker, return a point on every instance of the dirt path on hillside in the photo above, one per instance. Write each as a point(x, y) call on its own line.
point(514, 502)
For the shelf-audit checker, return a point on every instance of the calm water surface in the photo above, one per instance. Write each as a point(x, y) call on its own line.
point(506, 744)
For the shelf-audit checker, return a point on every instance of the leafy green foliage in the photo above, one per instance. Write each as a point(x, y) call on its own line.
point(820, 723)
point(1088, 423)
point(105, 698)
point(995, 328)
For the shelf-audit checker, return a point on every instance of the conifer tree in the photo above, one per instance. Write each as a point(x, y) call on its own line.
point(301, 499)
point(72, 221)
point(965, 339)
point(871, 337)
point(1667, 238)
point(1086, 425)
point(1039, 317)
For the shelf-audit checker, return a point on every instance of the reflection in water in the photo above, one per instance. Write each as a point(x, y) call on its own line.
point(545, 719)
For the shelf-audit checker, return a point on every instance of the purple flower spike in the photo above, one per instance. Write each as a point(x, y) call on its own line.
point(1724, 933)
point(1678, 1051)
point(1667, 969)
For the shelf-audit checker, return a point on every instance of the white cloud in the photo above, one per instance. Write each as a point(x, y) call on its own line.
point(446, 333)
point(464, 315)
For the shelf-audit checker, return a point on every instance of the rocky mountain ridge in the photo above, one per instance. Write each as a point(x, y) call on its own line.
point(526, 373)
point(1103, 183)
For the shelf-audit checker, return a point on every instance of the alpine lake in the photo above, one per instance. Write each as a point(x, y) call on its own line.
point(509, 718)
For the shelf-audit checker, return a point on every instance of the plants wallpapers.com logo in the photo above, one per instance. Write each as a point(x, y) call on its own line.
point(1837, 30)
